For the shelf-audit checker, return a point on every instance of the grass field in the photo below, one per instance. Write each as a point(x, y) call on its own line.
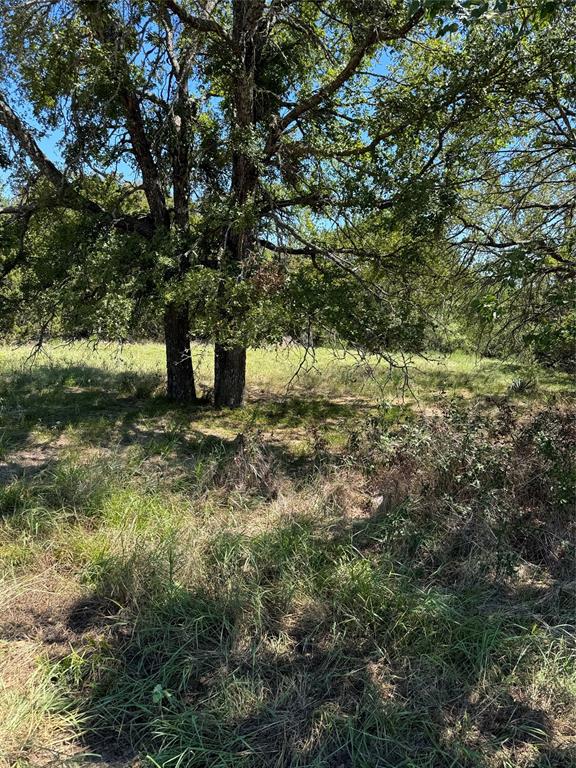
point(346, 572)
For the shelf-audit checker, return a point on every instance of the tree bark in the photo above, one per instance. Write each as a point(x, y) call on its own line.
point(229, 376)
point(180, 376)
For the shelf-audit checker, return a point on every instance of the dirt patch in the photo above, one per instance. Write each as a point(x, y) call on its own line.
point(27, 462)
point(31, 460)
point(42, 618)
point(53, 613)
point(89, 613)
point(31, 732)
point(17, 663)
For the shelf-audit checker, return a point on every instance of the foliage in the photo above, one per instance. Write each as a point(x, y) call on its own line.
point(325, 145)
point(516, 223)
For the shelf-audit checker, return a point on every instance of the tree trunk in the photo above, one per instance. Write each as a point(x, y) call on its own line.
point(180, 380)
point(229, 376)
point(230, 363)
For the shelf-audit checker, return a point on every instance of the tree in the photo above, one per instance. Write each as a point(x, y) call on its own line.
point(517, 226)
point(251, 127)
point(76, 72)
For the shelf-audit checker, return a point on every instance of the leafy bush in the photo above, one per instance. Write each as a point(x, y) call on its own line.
point(484, 490)
point(554, 342)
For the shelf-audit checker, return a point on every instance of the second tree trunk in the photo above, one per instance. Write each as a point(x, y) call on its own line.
point(229, 376)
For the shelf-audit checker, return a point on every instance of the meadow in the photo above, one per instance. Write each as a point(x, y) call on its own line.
point(356, 569)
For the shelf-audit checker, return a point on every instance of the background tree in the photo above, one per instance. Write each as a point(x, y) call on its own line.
point(516, 226)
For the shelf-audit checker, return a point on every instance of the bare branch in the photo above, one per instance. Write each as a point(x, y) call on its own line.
point(200, 23)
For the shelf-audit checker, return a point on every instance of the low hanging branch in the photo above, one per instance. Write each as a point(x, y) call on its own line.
point(332, 255)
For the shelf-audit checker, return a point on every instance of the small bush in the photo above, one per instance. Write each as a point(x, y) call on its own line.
point(523, 386)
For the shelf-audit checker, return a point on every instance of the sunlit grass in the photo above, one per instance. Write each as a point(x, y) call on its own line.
point(290, 370)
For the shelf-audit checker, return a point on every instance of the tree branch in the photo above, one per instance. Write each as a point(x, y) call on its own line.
point(200, 23)
point(109, 33)
point(68, 197)
point(373, 36)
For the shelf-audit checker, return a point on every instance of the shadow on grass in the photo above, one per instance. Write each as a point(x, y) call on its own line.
point(100, 403)
point(96, 409)
point(54, 399)
point(489, 379)
point(306, 646)
point(296, 411)
point(301, 650)
point(50, 408)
